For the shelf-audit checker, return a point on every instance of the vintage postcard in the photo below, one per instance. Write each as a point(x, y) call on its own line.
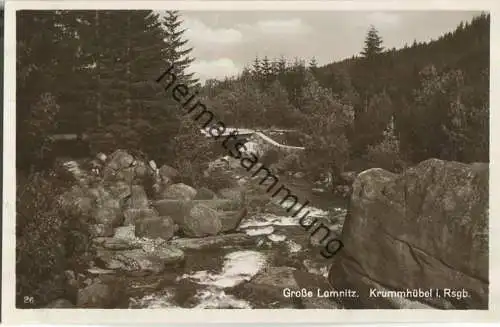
point(295, 161)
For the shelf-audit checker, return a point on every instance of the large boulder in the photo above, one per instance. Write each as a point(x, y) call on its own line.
point(120, 190)
point(148, 259)
point(173, 208)
point(205, 194)
point(221, 204)
point(99, 295)
point(131, 216)
point(119, 159)
point(424, 229)
point(178, 191)
point(201, 221)
point(138, 198)
point(142, 170)
point(155, 227)
point(123, 239)
point(168, 174)
point(235, 194)
point(134, 260)
point(77, 201)
point(119, 166)
point(230, 220)
point(179, 208)
point(107, 207)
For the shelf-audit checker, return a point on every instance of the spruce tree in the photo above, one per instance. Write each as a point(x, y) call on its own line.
point(267, 71)
point(257, 68)
point(128, 107)
point(45, 53)
point(373, 43)
point(176, 52)
point(282, 65)
point(275, 67)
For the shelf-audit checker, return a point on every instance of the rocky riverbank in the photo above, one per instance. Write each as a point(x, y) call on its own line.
point(184, 247)
point(232, 247)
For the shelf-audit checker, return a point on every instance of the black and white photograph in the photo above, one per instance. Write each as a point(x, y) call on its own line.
point(251, 159)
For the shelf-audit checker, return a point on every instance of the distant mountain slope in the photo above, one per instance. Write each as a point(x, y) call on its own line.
point(466, 48)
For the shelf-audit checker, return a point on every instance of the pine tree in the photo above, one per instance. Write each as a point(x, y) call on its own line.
point(282, 65)
point(155, 117)
point(373, 43)
point(295, 81)
point(106, 53)
point(278, 110)
point(131, 110)
point(176, 52)
point(267, 70)
point(275, 67)
point(257, 68)
point(45, 57)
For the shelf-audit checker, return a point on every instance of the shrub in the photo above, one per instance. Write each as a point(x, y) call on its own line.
point(270, 157)
point(49, 240)
point(291, 162)
point(192, 153)
point(386, 154)
point(34, 144)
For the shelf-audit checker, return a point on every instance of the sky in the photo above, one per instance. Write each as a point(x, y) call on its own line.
point(224, 42)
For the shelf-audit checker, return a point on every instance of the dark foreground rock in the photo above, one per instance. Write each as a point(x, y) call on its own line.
point(426, 228)
point(100, 294)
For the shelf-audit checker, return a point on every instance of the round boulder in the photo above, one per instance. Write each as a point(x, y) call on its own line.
point(201, 221)
point(155, 227)
point(178, 191)
point(235, 194)
point(205, 194)
point(168, 174)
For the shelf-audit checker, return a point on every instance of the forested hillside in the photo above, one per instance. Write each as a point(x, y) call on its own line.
point(384, 108)
point(381, 107)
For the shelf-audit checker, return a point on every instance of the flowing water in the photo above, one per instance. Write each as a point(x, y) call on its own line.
point(212, 278)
